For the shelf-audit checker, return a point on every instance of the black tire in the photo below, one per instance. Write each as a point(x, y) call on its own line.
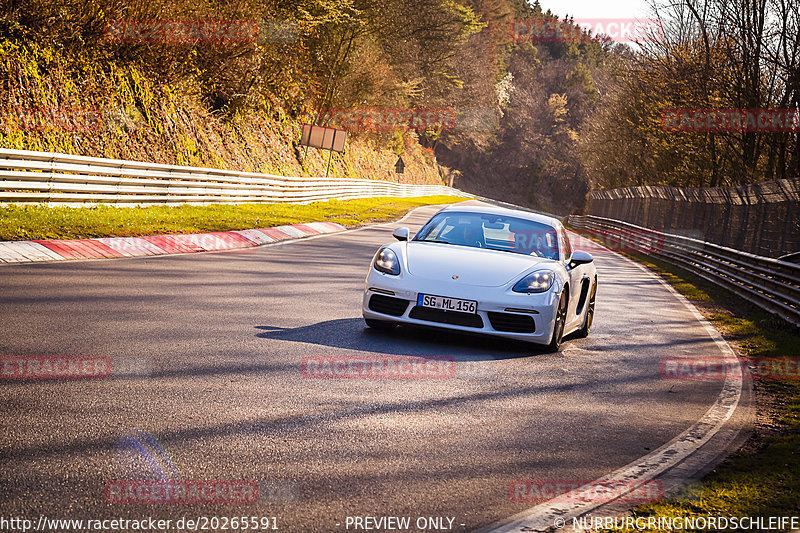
point(587, 323)
point(558, 327)
point(383, 325)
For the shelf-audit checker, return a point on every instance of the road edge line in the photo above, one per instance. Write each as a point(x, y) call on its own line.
point(545, 516)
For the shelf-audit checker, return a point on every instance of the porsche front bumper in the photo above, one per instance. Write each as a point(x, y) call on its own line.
point(501, 312)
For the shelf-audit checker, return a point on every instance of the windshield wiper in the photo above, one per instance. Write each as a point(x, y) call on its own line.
point(520, 253)
point(505, 250)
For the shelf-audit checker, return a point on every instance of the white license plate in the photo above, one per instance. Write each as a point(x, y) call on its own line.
point(448, 304)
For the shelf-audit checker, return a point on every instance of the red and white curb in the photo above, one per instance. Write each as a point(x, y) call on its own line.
point(108, 247)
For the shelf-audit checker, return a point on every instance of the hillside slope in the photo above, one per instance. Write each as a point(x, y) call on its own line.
point(51, 103)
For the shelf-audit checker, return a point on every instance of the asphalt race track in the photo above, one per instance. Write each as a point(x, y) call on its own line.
point(206, 384)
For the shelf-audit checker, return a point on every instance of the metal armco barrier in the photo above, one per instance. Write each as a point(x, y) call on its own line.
point(61, 179)
point(771, 284)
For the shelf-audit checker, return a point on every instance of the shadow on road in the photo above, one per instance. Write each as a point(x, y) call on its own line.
point(352, 334)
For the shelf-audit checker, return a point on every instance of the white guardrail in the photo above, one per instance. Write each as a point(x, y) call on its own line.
point(62, 179)
point(771, 284)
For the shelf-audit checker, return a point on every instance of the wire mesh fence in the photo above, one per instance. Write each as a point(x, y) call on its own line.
point(760, 218)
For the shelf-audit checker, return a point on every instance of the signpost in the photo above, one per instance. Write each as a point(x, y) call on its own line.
point(330, 139)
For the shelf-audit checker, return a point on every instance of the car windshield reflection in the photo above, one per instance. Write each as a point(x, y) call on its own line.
point(492, 232)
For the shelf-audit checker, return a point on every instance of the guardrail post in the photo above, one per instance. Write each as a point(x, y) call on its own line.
point(790, 207)
point(50, 179)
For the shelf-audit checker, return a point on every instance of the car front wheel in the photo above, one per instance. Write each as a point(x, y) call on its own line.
point(558, 326)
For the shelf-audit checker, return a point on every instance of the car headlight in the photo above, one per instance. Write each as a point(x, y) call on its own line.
point(539, 281)
point(386, 262)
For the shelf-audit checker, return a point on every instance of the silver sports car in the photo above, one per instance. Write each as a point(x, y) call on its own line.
point(485, 270)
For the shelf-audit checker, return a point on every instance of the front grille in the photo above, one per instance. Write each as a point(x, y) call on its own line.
point(388, 305)
point(512, 323)
point(456, 318)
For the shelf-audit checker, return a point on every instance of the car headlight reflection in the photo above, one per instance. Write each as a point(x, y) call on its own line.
point(386, 262)
point(539, 281)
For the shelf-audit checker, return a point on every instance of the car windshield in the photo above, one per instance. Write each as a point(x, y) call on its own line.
point(493, 232)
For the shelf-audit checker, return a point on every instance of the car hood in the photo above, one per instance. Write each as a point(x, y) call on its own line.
point(473, 266)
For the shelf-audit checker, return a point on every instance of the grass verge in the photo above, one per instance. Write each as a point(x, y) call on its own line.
point(32, 222)
point(763, 478)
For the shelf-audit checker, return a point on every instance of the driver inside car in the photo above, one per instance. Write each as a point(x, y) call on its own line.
point(540, 244)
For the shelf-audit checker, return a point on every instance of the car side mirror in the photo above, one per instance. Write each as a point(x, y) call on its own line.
point(401, 234)
point(580, 258)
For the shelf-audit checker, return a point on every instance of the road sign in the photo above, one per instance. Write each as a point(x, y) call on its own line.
point(322, 137)
point(325, 138)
